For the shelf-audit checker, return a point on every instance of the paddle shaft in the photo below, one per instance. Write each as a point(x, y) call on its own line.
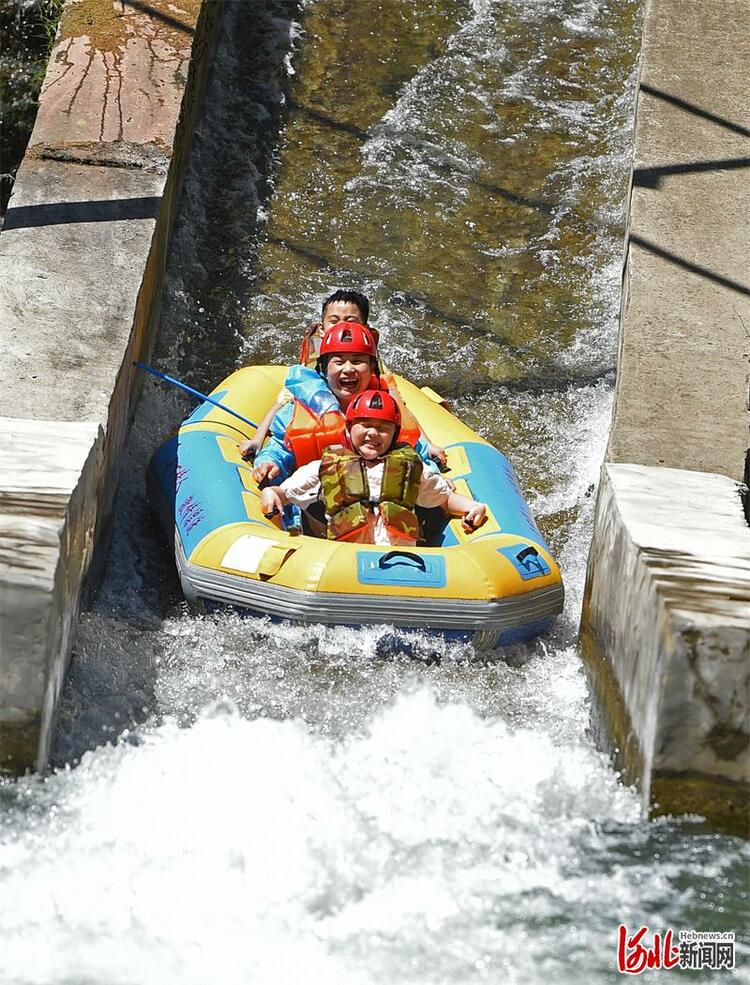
point(194, 393)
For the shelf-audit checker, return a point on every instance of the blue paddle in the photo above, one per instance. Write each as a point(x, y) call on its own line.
point(194, 393)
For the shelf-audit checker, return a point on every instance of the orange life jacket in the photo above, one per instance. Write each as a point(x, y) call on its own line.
point(410, 432)
point(308, 355)
point(308, 433)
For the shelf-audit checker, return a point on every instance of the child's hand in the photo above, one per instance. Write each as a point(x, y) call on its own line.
point(267, 471)
point(437, 454)
point(248, 449)
point(271, 501)
point(474, 517)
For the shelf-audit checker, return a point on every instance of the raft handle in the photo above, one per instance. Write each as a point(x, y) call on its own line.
point(529, 558)
point(382, 562)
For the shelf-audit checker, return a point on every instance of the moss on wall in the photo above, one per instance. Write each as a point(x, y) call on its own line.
point(106, 23)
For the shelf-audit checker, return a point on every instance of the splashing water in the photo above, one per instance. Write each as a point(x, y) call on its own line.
point(281, 803)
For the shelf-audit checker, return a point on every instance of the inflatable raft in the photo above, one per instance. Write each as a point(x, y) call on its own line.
point(496, 585)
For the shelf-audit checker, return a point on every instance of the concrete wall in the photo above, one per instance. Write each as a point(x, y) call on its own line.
point(82, 252)
point(666, 636)
point(666, 618)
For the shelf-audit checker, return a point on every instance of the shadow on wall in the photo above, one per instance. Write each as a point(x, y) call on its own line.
point(63, 213)
point(694, 268)
point(652, 177)
point(157, 14)
point(694, 109)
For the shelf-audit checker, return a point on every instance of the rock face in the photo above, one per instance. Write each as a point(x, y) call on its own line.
point(82, 251)
point(666, 618)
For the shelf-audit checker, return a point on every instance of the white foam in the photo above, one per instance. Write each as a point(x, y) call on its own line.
point(252, 851)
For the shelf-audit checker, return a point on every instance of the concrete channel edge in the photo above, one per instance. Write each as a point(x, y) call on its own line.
point(83, 250)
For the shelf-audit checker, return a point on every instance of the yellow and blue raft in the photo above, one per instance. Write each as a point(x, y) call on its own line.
point(496, 585)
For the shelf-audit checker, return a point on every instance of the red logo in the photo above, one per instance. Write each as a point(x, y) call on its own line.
point(635, 956)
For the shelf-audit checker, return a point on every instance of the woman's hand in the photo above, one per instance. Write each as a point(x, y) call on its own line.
point(272, 500)
point(267, 470)
point(437, 454)
point(474, 517)
point(248, 449)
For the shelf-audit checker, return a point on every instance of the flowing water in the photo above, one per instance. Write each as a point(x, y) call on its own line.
point(240, 802)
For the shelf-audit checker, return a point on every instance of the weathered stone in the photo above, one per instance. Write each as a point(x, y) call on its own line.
point(117, 74)
point(667, 626)
point(82, 251)
point(107, 154)
point(49, 474)
point(74, 251)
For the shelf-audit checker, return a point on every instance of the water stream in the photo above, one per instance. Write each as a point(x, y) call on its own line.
point(240, 802)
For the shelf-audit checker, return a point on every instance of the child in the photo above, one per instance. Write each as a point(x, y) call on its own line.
point(371, 490)
point(341, 306)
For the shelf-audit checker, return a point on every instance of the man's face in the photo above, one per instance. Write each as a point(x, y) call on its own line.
point(341, 311)
point(371, 438)
point(348, 374)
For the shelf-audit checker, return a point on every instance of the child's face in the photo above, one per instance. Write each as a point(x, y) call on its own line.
point(341, 311)
point(371, 438)
point(348, 374)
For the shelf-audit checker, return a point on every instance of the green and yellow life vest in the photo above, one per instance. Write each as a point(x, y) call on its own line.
point(346, 493)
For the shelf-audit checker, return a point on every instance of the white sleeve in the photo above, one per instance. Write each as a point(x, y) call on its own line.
point(433, 490)
point(303, 486)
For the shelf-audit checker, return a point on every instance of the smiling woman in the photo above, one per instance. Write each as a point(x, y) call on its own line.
point(314, 417)
point(348, 374)
point(348, 358)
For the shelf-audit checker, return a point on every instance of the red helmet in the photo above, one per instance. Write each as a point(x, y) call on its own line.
point(349, 336)
point(377, 404)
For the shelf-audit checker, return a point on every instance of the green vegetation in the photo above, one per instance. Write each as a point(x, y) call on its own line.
point(27, 33)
